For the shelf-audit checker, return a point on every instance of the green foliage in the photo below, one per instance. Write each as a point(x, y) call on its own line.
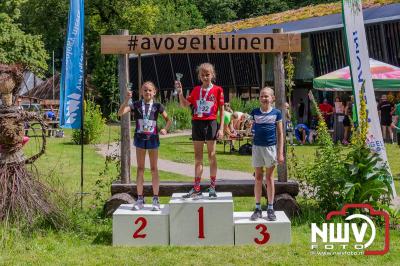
point(18, 47)
point(216, 11)
point(366, 180)
point(238, 104)
point(94, 125)
point(181, 117)
point(333, 179)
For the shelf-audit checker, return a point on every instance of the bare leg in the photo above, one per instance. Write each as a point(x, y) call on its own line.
point(198, 158)
point(212, 159)
point(258, 184)
point(384, 133)
point(140, 159)
point(155, 178)
point(269, 180)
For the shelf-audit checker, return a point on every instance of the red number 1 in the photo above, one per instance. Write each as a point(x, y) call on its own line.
point(264, 233)
point(201, 222)
point(143, 224)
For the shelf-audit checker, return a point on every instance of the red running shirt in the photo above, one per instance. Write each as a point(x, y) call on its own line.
point(215, 98)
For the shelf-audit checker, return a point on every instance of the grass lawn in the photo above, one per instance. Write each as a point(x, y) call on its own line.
point(87, 241)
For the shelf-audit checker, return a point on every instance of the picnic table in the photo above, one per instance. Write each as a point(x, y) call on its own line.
point(239, 138)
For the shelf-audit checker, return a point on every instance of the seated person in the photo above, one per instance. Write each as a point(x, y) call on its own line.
point(238, 119)
point(50, 115)
point(229, 131)
point(302, 133)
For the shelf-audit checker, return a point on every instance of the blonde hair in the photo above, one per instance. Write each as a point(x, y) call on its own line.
point(148, 83)
point(206, 67)
point(269, 90)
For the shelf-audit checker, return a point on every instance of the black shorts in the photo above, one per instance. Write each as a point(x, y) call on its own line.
point(386, 120)
point(203, 130)
point(346, 121)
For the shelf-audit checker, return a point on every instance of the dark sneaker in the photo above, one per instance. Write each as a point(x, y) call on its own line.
point(193, 194)
point(139, 204)
point(212, 194)
point(257, 214)
point(271, 215)
point(156, 205)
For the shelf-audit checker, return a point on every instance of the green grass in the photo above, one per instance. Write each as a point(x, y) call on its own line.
point(87, 241)
point(180, 149)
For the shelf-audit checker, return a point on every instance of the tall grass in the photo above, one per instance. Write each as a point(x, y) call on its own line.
point(181, 116)
point(238, 104)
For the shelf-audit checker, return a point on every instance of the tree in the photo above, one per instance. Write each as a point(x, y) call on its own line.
point(216, 11)
point(18, 47)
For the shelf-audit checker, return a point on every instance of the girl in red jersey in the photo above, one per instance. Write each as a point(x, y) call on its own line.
point(205, 100)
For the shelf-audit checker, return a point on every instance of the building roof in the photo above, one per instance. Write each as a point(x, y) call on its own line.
point(300, 17)
point(371, 15)
point(45, 89)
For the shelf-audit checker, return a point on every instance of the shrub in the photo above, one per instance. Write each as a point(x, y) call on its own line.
point(238, 104)
point(181, 117)
point(93, 127)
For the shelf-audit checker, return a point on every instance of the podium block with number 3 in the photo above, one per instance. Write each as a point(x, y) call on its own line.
point(140, 228)
point(261, 231)
point(202, 221)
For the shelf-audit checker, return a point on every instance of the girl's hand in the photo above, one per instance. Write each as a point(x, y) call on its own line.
point(178, 86)
point(220, 134)
point(280, 159)
point(128, 96)
point(163, 131)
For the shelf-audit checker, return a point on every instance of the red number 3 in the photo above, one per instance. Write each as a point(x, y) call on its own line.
point(264, 233)
point(143, 222)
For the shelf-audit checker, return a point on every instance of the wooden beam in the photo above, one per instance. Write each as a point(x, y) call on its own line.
point(280, 96)
point(123, 80)
point(216, 43)
point(237, 187)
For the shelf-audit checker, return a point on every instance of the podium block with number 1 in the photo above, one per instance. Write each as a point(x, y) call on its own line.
point(196, 222)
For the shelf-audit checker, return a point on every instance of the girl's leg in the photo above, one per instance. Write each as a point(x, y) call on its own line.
point(212, 159)
point(198, 162)
point(258, 184)
point(155, 178)
point(269, 180)
point(140, 159)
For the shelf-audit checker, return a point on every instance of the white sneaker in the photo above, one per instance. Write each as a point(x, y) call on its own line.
point(139, 204)
point(156, 204)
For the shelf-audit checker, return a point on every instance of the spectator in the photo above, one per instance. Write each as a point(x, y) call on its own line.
point(300, 110)
point(327, 111)
point(302, 133)
point(385, 109)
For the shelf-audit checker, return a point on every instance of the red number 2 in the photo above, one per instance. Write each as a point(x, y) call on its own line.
point(264, 233)
point(201, 222)
point(143, 222)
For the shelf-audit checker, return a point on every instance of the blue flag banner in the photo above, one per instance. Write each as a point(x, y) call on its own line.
point(72, 72)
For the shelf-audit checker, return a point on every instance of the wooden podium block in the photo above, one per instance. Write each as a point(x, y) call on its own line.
point(201, 221)
point(140, 228)
point(262, 231)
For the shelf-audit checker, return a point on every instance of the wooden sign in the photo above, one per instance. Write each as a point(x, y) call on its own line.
point(217, 43)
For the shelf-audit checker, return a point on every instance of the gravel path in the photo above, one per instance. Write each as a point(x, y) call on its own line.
point(174, 167)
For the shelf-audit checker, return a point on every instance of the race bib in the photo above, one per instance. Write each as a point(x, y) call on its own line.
point(147, 127)
point(204, 107)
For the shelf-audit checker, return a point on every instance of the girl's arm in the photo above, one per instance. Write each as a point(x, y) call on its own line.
point(182, 100)
point(279, 128)
point(167, 124)
point(124, 106)
point(220, 133)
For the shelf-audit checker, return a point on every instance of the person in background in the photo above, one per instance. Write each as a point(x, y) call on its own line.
point(396, 122)
point(385, 109)
point(302, 133)
point(327, 111)
point(300, 111)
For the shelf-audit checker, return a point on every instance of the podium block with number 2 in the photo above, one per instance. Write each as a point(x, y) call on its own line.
point(201, 221)
point(140, 228)
point(261, 231)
